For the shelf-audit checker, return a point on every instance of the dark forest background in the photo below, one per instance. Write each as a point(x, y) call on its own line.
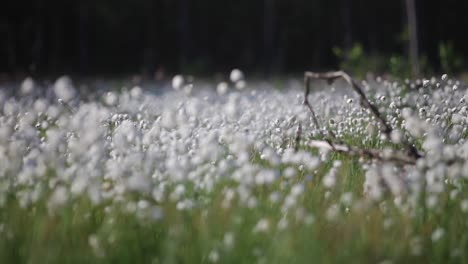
point(111, 37)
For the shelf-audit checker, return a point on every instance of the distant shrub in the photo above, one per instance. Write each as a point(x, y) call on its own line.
point(357, 62)
point(450, 60)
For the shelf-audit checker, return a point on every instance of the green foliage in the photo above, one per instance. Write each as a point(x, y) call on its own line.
point(195, 67)
point(450, 60)
point(358, 63)
point(399, 66)
point(84, 233)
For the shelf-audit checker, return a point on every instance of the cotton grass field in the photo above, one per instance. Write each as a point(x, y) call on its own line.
point(201, 172)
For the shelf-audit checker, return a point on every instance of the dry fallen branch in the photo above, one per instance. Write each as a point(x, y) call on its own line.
point(393, 156)
point(306, 100)
point(332, 76)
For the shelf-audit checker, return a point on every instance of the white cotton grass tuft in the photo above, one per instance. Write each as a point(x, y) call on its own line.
point(437, 234)
point(188, 88)
point(222, 88)
point(158, 155)
point(58, 198)
point(396, 136)
point(213, 256)
point(464, 205)
point(332, 212)
point(229, 240)
point(111, 99)
point(64, 89)
point(136, 92)
point(236, 75)
point(262, 226)
point(240, 85)
point(96, 245)
point(330, 179)
point(27, 86)
point(178, 82)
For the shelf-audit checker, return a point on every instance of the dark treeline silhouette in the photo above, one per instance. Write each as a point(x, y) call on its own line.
point(121, 36)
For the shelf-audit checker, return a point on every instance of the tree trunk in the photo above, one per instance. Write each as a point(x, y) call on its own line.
point(11, 48)
point(184, 32)
point(83, 37)
point(268, 34)
point(413, 36)
point(348, 35)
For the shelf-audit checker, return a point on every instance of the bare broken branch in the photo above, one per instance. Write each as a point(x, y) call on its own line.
point(307, 103)
point(393, 156)
point(332, 76)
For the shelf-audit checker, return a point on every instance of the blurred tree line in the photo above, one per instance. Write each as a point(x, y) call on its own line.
point(267, 36)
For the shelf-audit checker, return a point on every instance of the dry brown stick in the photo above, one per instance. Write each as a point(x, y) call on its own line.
point(307, 103)
point(395, 156)
point(330, 77)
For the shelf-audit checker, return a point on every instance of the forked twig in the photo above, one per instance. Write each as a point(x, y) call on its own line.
point(306, 100)
point(330, 77)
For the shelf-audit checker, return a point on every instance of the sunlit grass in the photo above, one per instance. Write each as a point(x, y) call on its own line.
point(360, 231)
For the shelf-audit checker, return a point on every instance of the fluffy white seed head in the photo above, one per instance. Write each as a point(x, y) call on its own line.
point(64, 89)
point(222, 88)
point(236, 75)
point(27, 86)
point(178, 82)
